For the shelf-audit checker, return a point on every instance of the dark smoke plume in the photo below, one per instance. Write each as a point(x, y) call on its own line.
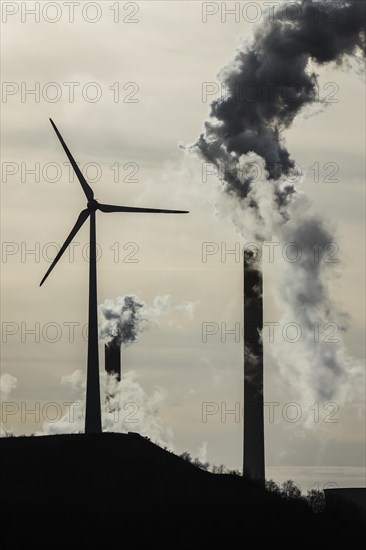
point(270, 82)
point(124, 318)
point(121, 320)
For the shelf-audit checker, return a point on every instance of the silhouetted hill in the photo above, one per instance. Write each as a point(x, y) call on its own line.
point(109, 490)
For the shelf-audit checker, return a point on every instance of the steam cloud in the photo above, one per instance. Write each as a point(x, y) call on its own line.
point(269, 82)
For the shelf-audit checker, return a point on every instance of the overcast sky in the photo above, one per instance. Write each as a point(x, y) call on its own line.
point(149, 76)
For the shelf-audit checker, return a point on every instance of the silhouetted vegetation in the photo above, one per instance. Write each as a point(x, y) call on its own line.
point(288, 490)
point(8, 434)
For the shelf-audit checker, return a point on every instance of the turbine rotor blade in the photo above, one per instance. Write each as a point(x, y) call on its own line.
point(84, 184)
point(83, 216)
point(112, 208)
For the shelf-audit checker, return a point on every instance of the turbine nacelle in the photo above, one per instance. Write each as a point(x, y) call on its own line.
point(93, 205)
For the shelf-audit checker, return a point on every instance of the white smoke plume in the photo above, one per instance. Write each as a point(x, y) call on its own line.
point(318, 364)
point(202, 452)
point(127, 408)
point(125, 404)
point(74, 380)
point(8, 383)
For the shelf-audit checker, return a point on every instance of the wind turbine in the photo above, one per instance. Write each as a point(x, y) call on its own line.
point(93, 422)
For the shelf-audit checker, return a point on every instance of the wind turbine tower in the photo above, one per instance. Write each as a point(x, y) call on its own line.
point(93, 421)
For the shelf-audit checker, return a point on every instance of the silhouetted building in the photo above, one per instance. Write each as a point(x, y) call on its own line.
point(112, 355)
point(355, 496)
point(253, 370)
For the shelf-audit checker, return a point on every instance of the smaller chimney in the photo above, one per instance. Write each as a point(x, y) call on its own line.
point(112, 359)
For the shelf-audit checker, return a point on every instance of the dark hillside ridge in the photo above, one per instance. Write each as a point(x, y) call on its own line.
point(108, 490)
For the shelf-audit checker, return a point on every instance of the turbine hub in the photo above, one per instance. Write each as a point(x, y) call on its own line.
point(93, 205)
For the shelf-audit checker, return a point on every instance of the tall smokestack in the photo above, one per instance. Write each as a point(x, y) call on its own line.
point(253, 370)
point(112, 359)
point(271, 81)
